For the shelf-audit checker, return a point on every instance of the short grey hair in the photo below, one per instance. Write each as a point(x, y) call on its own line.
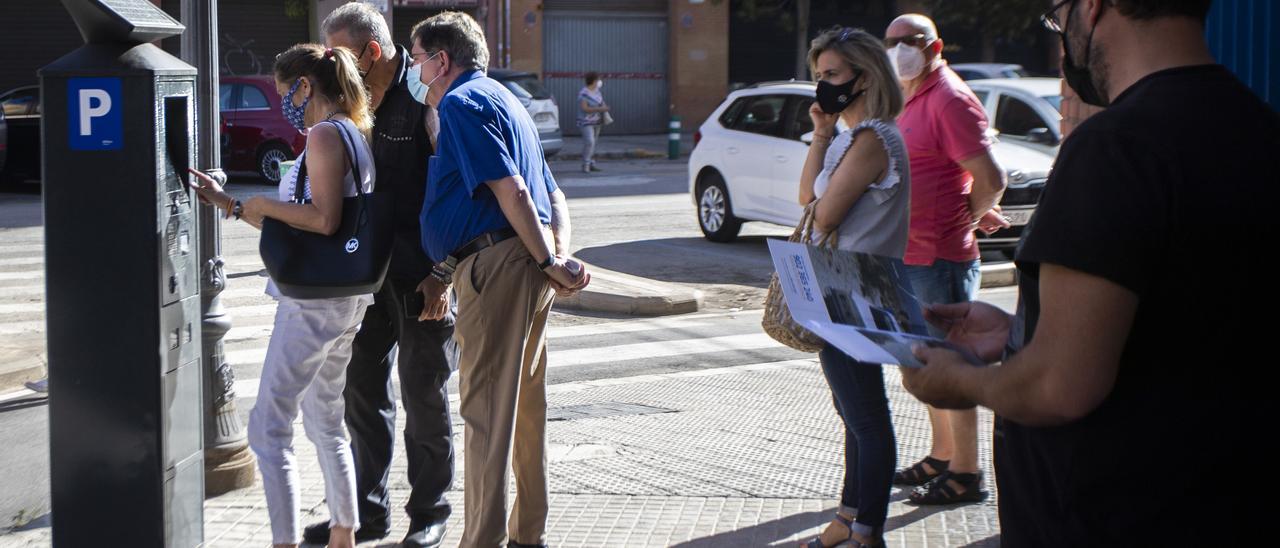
point(362, 21)
point(456, 33)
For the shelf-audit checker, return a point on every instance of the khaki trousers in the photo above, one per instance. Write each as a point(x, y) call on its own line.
point(503, 303)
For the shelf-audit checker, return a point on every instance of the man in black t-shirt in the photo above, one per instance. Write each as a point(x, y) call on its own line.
point(424, 352)
point(1126, 402)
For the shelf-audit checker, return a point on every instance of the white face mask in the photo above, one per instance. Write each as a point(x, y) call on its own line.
point(416, 87)
point(907, 61)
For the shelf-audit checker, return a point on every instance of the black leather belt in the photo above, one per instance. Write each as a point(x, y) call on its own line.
point(482, 241)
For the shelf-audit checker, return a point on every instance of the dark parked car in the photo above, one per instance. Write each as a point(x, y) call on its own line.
point(256, 137)
point(20, 134)
point(538, 101)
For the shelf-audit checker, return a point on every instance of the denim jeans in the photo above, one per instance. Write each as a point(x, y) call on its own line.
point(590, 134)
point(944, 282)
point(870, 450)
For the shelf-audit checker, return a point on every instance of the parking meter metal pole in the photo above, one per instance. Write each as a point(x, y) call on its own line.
point(228, 462)
point(122, 292)
point(673, 138)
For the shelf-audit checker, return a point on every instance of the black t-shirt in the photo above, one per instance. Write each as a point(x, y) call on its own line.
point(1171, 192)
point(401, 147)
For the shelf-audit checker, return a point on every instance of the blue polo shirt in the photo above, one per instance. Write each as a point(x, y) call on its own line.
point(485, 135)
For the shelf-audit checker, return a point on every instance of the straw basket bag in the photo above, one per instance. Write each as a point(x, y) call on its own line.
point(777, 322)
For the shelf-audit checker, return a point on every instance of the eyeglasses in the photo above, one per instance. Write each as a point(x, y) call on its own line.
point(914, 40)
point(414, 56)
point(1050, 18)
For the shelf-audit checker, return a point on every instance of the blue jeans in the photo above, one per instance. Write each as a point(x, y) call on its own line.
point(870, 449)
point(944, 282)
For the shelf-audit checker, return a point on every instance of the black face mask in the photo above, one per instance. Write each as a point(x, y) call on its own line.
point(834, 98)
point(1078, 76)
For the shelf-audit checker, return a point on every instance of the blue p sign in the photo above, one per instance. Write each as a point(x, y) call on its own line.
point(94, 114)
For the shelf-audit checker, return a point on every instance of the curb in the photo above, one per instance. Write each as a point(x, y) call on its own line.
point(618, 293)
point(632, 154)
point(19, 367)
point(999, 275)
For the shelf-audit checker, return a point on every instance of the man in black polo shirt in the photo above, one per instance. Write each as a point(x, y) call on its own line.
point(426, 350)
point(1126, 403)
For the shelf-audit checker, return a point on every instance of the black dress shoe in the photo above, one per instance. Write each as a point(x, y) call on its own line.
point(424, 535)
point(514, 544)
point(318, 533)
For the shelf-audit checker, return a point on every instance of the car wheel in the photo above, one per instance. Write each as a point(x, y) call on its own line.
point(269, 161)
point(715, 213)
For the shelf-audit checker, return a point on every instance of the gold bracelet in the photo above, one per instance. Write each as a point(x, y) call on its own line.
point(231, 202)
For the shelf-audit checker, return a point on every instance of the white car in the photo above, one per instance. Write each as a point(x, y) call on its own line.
point(1024, 110)
point(748, 155)
point(978, 71)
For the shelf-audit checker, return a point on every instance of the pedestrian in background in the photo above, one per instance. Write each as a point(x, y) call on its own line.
point(391, 332)
point(859, 186)
point(1126, 340)
point(497, 226)
point(592, 111)
point(322, 94)
point(957, 184)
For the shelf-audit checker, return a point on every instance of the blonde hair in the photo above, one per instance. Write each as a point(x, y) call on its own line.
point(333, 74)
point(862, 51)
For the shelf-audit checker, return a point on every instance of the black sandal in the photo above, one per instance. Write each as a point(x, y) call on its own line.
point(939, 491)
point(816, 542)
point(918, 475)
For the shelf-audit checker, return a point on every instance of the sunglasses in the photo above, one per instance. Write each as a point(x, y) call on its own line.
point(914, 40)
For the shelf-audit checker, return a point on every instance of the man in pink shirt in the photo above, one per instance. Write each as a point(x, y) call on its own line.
point(956, 185)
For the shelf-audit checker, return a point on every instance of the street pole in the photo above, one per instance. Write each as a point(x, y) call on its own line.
point(228, 462)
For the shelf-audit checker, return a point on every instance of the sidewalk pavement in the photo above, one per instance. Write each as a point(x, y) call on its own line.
point(623, 147)
point(741, 456)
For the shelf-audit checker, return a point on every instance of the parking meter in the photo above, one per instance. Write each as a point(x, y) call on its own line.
point(122, 284)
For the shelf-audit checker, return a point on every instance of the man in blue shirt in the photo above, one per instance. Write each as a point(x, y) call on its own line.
point(497, 226)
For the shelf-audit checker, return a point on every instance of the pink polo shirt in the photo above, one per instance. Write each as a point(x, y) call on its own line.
point(943, 123)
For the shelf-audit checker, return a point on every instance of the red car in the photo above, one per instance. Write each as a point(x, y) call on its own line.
point(256, 137)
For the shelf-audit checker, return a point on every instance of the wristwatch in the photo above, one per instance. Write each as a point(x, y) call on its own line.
point(546, 263)
point(237, 209)
point(442, 274)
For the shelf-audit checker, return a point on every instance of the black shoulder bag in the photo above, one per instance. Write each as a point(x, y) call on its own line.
point(353, 261)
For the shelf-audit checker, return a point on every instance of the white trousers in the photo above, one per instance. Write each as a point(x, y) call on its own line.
point(306, 365)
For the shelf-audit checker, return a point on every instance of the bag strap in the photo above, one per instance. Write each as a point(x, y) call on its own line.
point(804, 231)
point(348, 148)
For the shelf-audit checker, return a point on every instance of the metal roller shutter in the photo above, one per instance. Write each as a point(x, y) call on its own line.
point(625, 41)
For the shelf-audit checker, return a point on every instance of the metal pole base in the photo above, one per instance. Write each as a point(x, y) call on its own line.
point(227, 469)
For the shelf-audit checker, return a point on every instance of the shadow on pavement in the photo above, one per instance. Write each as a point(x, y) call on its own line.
point(20, 206)
point(41, 522)
point(784, 528)
point(687, 260)
point(757, 535)
point(23, 403)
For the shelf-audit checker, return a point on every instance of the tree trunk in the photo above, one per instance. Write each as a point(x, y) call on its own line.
point(802, 39)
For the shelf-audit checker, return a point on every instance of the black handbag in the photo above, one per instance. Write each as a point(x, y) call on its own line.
point(353, 261)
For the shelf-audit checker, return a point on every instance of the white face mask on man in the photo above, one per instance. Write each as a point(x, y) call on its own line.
point(908, 61)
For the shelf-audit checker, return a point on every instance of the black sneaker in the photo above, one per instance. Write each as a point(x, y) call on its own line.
point(318, 533)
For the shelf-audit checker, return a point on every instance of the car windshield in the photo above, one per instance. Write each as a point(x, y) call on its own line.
point(527, 87)
point(1055, 100)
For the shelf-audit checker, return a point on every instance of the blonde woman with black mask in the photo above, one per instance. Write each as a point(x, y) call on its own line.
point(860, 182)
